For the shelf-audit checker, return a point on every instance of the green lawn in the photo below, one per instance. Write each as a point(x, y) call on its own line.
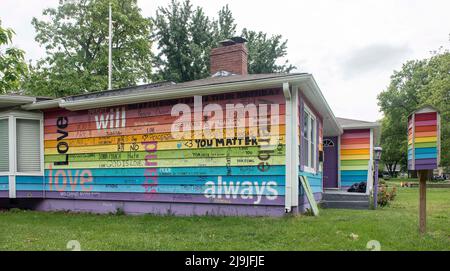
point(395, 227)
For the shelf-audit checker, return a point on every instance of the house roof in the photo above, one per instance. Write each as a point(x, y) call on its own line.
point(351, 124)
point(208, 86)
point(356, 124)
point(12, 100)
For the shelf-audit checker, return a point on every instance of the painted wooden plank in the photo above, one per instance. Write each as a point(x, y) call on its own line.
point(355, 151)
point(186, 171)
point(175, 145)
point(159, 180)
point(157, 108)
point(350, 141)
point(309, 194)
point(165, 119)
point(426, 128)
point(426, 145)
point(354, 162)
point(354, 173)
point(200, 162)
point(233, 189)
point(145, 130)
point(360, 167)
point(128, 139)
point(180, 198)
point(355, 146)
point(168, 154)
point(355, 157)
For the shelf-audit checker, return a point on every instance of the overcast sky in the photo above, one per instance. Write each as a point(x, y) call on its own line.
point(350, 46)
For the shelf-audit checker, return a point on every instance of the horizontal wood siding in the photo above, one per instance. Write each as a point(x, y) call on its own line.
point(128, 153)
point(354, 156)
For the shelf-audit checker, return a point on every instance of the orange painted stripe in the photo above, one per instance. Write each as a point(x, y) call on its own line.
point(355, 146)
point(426, 128)
point(356, 151)
point(349, 141)
point(426, 134)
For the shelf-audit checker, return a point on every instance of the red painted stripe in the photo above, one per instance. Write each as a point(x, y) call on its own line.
point(425, 116)
point(351, 141)
point(426, 128)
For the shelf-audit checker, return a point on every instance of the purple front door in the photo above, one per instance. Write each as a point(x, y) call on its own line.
point(330, 164)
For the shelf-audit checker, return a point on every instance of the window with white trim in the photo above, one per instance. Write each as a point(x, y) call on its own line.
point(4, 145)
point(309, 137)
point(21, 143)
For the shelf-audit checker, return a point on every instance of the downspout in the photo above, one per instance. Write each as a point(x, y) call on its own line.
point(288, 147)
point(295, 160)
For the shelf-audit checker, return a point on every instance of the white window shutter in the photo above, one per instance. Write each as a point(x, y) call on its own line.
point(4, 145)
point(28, 145)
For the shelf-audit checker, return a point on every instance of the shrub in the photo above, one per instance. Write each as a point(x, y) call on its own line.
point(385, 196)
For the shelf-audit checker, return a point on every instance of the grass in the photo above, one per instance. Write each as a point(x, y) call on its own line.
point(395, 227)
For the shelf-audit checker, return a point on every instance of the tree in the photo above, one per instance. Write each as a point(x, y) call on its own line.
point(185, 36)
point(75, 36)
point(12, 63)
point(263, 52)
point(419, 83)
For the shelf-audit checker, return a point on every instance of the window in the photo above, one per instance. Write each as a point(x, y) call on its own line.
point(21, 143)
point(28, 149)
point(309, 135)
point(4, 145)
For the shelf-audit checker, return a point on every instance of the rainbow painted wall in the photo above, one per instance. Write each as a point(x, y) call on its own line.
point(423, 141)
point(354, 156)
point(128, 153)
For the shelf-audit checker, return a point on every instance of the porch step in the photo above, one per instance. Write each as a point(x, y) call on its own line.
point(360, 205)
point(345, 200)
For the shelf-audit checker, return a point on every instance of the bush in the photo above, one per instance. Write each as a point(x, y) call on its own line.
point(385, 196)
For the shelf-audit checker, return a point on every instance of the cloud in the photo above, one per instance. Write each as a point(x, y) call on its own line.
point(373, 58)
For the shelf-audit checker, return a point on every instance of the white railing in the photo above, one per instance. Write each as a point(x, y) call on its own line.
point(370, 180)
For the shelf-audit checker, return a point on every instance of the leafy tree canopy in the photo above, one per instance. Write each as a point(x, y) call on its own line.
point(12, 63)
point(75, 36)
point(418, 83)
point(185, 36)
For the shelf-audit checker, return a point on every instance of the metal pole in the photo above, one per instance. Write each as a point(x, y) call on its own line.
point(375, 186)
point(110, 49)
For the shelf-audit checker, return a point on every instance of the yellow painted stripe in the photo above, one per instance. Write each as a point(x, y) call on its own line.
point(425, 139)
point(132, 138)
point(355, 157)
point(167, 145)
point(356, 151)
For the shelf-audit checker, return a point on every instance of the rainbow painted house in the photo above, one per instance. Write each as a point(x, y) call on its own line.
point(231, 144)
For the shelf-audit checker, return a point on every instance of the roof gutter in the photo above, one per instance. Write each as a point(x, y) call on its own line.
point(180, 92)
point(42, 105)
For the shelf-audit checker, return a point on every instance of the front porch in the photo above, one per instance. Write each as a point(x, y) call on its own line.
point(338, 199)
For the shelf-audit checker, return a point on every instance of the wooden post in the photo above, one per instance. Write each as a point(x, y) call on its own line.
point(423, 175)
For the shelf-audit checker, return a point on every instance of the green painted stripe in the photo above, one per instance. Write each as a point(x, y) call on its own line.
point(354, 162)
point(425, 145)
point(170, 154)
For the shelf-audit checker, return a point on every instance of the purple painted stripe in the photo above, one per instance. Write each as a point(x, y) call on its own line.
point(304, 203)
point(430, 166)
point(179, 209)
point(4, 194)
point(171, 198)
point(425, 161)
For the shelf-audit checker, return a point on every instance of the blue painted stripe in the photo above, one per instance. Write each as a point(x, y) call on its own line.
point(4, 187)
point(423, 150)
point(183, 171)
point(353, 173)
point(165, 180)
point(423, 156)
point(163, 189)
point(3, 179)
point(315, 181)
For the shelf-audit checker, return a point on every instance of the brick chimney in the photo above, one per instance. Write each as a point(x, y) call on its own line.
point(231, 56)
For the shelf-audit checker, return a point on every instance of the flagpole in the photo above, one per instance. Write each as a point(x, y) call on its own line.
point(110, 49)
